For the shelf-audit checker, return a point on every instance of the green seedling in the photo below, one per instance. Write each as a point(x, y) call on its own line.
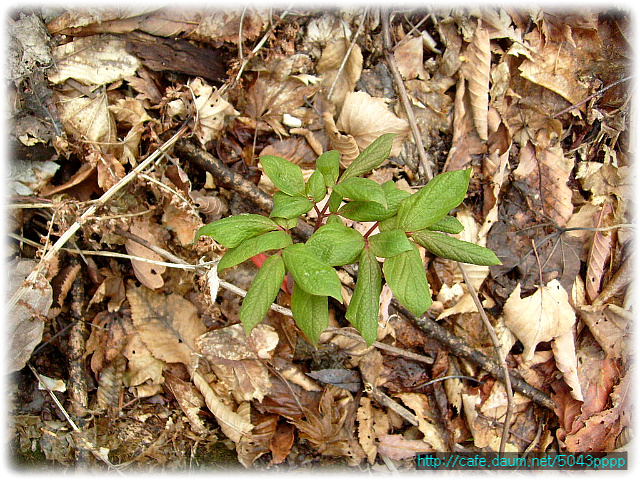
point(405, 220)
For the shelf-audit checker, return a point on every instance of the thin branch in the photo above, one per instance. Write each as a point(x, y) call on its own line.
point(598, 93)
point(501, 358)
point(402, 92)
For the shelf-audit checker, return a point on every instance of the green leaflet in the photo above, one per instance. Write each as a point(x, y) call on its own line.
point(365, 211)
point(285, 175)
point(437, 198)
point(407, 279)
point(371, 157)
point(361, 189)
point(334, 201)
point(316, 187)
point(395, 196)
point(253, 246)
point(329, 165)
point(447, 224)
point(311, 313)
point(289, 206)
point(310, 272)
point(389, 243)
point(336, 244)
point(448, 247)
point(232, 231)
point(262, 292)
point(286, 223)
point(364, 307)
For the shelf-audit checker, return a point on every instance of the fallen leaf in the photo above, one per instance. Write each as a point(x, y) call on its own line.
point(329, 66)
point(182, 222)
point(420, 405)
point(281, 442)
point(599, 253)
point(366, 118)
point(476, 71)
point(345, 144)
point(224, 25)
point(26, 320)
point(397, 447)
point(149, 274)
point(88, 119)
point(27, 177)
point(540, 317)
point(366, 436)
point(213, 111)
point(190, 401)
point(564, 352)
point(130, 112)
point(142, 366)
point(408, 58)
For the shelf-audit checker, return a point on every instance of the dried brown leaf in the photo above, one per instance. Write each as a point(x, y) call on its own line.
point(189, 399)
point(366, 436)
point(167, 324)
point(26, 320)
point(142, 366)
point(110, 170)
point(408, 58)
point(599, 253)
point(397, 447)
point(182, 223)
point(564, 352)
point(420, 405)
point(366, 118)
point(281, 442)
point(345, 144)
point(129, 112)
point(149, 274)
point(213, 111)
point(84, 59)
point(540, 317)
point(224, 25)
point(88, 119)
point(477, 71)
point(545, 173)
point(329, 65)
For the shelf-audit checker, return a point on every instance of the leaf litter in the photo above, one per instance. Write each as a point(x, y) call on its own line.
point(175, 382)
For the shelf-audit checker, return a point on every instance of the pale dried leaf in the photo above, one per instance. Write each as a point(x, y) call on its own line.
point(473, 234)
point(95, 60)
point(397, 447)
point(26, 320)
point(408, 58)
point(609, 328)
point(110, 170)
point(540, 317)
point(224, 25)
point(130, 112)
point(366, 118)
point(149, 274)
point(477, 73)
point(546, 172)
point(212, 110)
point(599, 254)
point(190, 401)
point(366, 436)
point(142, 366)
point(345, 144)
point(167, 324)
point(419, 404)
point(329, 65)
point(564, 352)
point(88, 119)
point(183, 223)
point(464, 305)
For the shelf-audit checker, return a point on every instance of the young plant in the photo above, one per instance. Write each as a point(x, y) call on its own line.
point(404, 220)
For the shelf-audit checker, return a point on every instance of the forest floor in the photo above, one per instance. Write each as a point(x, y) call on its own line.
point(132, 128)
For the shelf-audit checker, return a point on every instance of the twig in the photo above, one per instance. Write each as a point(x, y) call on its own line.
point(349, 50)
point(598, 93)
point(386, 40)
point(501, 358)
point(30, 280)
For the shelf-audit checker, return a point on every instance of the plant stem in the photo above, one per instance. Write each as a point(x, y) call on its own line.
point(370, 231)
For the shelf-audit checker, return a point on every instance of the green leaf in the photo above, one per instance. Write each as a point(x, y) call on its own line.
point(336, 244)
point(361, 189)
point(364, 307)
point(394, 195)
point(407, 279)
point(232, 231)
point(371, 157)
point(389, 243)
point(316, 187)
point(437, 198)
point(334, 201)
point(262, 292)
point(449, 247)
point(334, 219)
point(329, 165)
point(286, 223)
point(288, 206)
point(310, 272)
point(447, 224)
point(365, 211)
point(388, 224)
point(285, 175)
point(254, 246)
point(311, 313)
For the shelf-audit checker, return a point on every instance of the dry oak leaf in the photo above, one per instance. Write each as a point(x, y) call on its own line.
point(564, 353)
point(366, 118)
point(540, 317)
point(167, 324)
point(94, 60)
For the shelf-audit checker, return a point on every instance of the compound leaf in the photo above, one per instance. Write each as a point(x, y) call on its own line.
point(371, 157)
point(262, 292)
point(336, 244)
point(407, 279)
point(449, 247)
point(310, 272)
point(232, 231)
point(254, 246)
point(364, 307)
point(437, 198)
point(389, 243)
point(311, 313)
point(285, 175)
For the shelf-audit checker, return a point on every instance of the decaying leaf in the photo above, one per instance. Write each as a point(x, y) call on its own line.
point(408, 58)
point(598, 254)
point(26, 319)
point(29, 176)
point(189, 399)
point(88, 119)
point(397, 447)
point(420, 405)
point(366, 436)
point(142, 366)
point(329, 65)
point(564, 353)
point(477, 71)
point(212, 110)
point(131, 113)
point(366, 118)
point(540, 317)
point(345, 144)
point(149, 274)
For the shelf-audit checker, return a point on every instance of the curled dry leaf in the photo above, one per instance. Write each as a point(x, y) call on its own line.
point(149, 274)
point(212, 110)
point(182, 222)
point(189, 399)
point(477, 71)
point(420, 405)
point(329, 66)
point(564, 352)
point(142, 366)
point(540, 317)
point(26, 319)
point(366, 118)
point(599, 253)
point(224, 25)
point(94, 60)
point(129, 112)
point(345, 144)
point(366, 436)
